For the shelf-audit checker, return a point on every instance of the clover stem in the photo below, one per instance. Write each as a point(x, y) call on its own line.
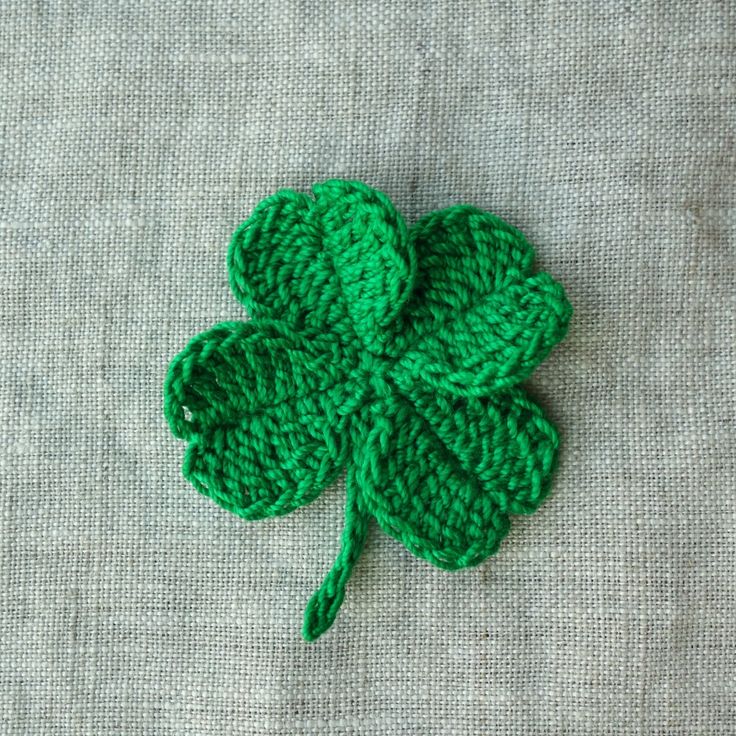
point(325, 603)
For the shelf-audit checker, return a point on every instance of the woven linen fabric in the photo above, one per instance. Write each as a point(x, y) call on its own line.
point(137, 135)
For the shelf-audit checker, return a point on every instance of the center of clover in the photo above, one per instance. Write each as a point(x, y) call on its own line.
point(367, 382)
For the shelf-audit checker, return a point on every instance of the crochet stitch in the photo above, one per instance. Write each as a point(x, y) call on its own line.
point(393, 355)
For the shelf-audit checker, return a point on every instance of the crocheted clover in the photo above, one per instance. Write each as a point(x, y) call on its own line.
point(393, 355)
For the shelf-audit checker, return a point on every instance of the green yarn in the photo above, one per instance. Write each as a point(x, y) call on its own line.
point(392, 354)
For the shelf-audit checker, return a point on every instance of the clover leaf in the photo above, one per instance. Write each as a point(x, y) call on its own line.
point(391, 355)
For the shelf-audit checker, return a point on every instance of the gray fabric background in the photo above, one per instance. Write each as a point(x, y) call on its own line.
point(136, 136)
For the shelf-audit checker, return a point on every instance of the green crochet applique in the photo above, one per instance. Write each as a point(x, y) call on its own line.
point(393, 355)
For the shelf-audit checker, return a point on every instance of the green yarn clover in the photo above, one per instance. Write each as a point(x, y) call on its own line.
point(389, 354)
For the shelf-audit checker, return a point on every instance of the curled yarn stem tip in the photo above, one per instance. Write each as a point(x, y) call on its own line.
point(323, 606)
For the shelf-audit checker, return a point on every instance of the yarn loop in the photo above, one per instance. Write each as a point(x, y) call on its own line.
point(390, 354)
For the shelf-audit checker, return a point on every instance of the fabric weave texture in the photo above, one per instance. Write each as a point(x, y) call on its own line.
point(137, 136)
